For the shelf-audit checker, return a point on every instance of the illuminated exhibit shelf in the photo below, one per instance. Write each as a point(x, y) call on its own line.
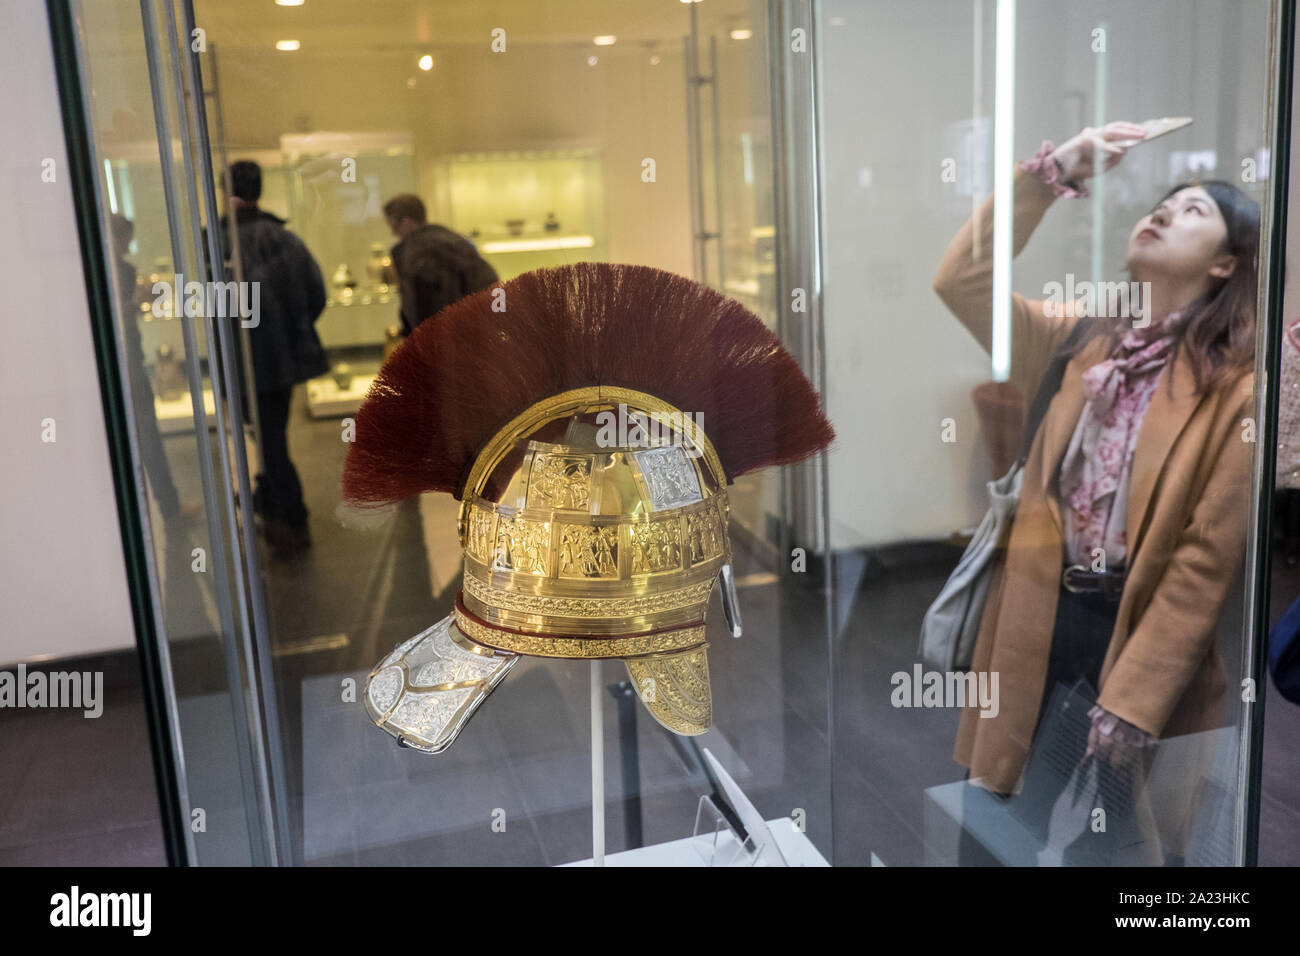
point(527, 209)
point(177, 415)
point(326, 400)
point(537, 245)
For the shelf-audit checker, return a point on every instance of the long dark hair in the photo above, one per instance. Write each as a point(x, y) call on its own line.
point(1218, 330)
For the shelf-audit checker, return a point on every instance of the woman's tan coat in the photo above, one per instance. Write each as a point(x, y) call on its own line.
point(1189, 504)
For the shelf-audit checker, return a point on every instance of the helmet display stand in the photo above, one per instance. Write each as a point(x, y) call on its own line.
point(597, 770)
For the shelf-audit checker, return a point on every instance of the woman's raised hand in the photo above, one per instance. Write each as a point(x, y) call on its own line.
point(1078, 156)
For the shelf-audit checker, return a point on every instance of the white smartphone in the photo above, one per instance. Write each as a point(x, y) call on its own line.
point(1156, 128)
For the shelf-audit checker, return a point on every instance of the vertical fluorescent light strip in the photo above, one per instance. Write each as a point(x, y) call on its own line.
point(108, 181)
point(1004, 111)
point(126, 199)
point(1098, 189)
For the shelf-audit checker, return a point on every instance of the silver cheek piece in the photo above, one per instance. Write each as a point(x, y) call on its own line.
point(428, 688)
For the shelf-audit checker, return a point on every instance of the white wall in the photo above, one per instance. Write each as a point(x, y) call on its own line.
point(62, 584)
point(896, 76)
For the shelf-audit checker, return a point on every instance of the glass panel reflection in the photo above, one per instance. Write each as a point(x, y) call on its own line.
point(1083, 663)
point(137, 147)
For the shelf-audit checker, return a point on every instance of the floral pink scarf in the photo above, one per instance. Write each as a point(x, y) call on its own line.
point(1094, 474)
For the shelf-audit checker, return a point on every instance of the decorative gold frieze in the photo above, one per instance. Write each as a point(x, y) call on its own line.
point(523, 545)
point(581, 648)
point(545, 605)
point(704, 533)
point(655, 546)
point(588, 551)
point(560, 481)
point(481, 535)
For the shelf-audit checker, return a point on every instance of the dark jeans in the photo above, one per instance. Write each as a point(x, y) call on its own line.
point(279, 492)
point(1080, 636)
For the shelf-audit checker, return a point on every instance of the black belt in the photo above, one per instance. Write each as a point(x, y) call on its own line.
point(1079, 580)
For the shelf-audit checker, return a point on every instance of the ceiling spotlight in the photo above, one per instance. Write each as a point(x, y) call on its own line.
point(605, 39)
point(741, 34)
point(655, 59)
point(287, 44)
point(426, 63)
point(592, 60)
point(288, 3)
point(410, 82)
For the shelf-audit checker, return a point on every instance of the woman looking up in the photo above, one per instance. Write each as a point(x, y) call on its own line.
point(1132, 519)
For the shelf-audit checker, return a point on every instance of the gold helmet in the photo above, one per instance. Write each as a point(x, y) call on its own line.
point(589, 419)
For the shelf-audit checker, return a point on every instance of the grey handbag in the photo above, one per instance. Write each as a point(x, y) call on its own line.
point(952, 622)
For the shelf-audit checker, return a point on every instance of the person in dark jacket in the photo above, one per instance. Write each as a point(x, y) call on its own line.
point(285, 347)
point(435, 266)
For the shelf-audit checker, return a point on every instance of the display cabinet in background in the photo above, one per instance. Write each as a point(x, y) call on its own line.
point(337, 184)
point(523, 209)
point(133, 183)
point(526, 209)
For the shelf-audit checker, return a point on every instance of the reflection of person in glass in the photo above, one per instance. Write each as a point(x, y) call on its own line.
point(1132, 520)
point(154, 459)
point(286, 350)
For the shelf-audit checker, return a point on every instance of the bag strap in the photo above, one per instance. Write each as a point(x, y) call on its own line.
point(1051, 384)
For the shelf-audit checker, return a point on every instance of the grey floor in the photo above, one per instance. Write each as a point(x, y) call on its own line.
point(76, 791)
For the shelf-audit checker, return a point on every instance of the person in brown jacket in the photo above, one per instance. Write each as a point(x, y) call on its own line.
point(1131, 526)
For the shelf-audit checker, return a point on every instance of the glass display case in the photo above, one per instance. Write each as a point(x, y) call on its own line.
point(901, 257)
point(526, 209)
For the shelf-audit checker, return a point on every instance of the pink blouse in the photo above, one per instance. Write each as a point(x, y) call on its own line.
point(1094, 477)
